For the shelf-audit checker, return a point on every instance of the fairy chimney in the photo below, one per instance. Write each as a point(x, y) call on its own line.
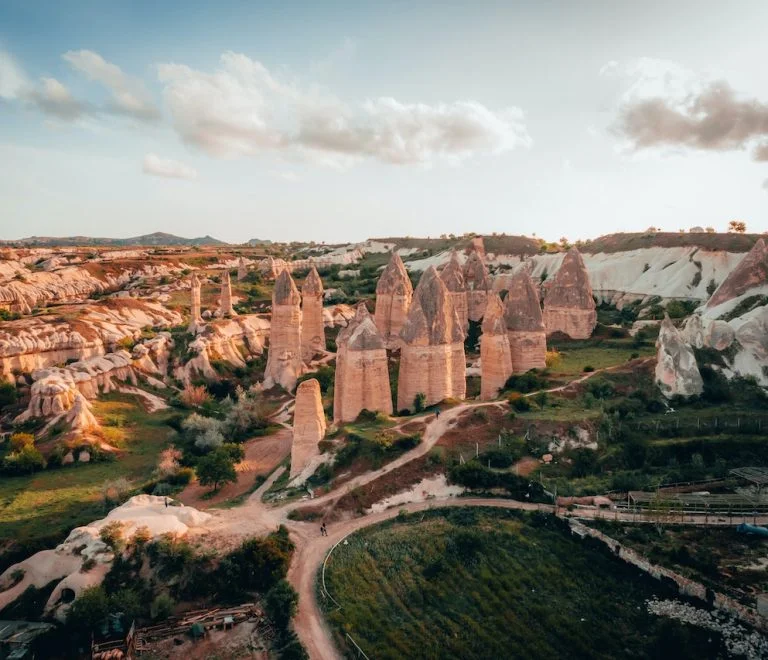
point(312, 328)
point(568, 305)
point(525, 326)
point(225, 302)
point(195, 318)
point(284, 359)
point(242, 269)
point(308, 426)
point(495, 356)
point(362, 370)
point(453, 278)
point(432, 358)
point(394, 292)
point(478, 283)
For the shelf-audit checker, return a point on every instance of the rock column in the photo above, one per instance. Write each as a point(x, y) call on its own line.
point(568, 306)
point(453, 277)
point(308, 426)
point(195, 318)
point(394, 292)
point(284, 359)
point(495, 356)
point(242, 269)
point(478, 283)
point(362, 370)
point(312, 328)
point(525, 327)
point(432, 359)
point(225, 302)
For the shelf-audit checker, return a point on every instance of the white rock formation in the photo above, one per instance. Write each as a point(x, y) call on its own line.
point(676, 370)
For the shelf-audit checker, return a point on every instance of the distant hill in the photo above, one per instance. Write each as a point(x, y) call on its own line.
point(255, 242)
point(158, 238)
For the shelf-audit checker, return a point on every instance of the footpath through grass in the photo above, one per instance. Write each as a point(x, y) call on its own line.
point(39, 509)
point(490, 583)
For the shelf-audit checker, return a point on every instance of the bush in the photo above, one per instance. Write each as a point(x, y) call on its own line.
point(588, 369)
point(25, 461)
point(88, 610)
point(161, 607)
point(112, 535)
point(8, 394)
point(520, 403)
point(19, 441)
point(281, 603)
point(195, 396)
point(527, 382)
point(216, 469)
point(182, 477)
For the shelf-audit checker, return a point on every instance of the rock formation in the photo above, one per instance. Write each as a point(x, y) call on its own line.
point(432, 359)
point(495, 356)
point(270, 267)
point(394, 292)
point(478, 283)
point(80, 416)
point(225, 302)
point(308, 426)
point(64, 563)
point(525, 327)
point(195, 318)
point(312, 328)
point(453, 277)
point(751, 272)
point(284, 364)
point(242, 269)
point(362, 370)
point(568, 306)
point(676, 368)
point(478, 245)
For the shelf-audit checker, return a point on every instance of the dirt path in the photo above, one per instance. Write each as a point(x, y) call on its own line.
point(262, 456)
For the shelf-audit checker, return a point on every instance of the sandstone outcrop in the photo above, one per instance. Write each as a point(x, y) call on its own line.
point(525, 325)
point(308, 426)
point(432, 358)
point(284, 364)
point(242, 269)
point(394, 292)
point(478, 284)
point(453, 277)
point(76, 333)
point(195, 317)
point(676, 370)
point(270, 267)
point(495, 355)
point(312, 327)
point(152, 356)
point(338, 315)
point(64, 563)
point(751, 272)
point(225, 302)
point(568, 306)
point(362, 370)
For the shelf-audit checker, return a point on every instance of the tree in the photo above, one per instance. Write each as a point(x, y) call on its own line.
point(8, 394)
point(216, 469)
point(281, 603)
point(710, 230)
point(89, 610)
point(737, 227)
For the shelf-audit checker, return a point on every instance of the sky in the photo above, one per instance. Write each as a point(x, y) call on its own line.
point(339, 121)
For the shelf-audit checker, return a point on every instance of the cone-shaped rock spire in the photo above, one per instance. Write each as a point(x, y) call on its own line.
point(568, 306)
point(495, 356)
point(284, 364)
point(312, 327)
point(393, 299)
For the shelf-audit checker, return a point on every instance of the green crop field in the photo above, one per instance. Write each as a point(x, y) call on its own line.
point(486, 583)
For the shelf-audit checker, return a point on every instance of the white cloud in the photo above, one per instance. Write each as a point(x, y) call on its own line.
point(165, 167)
point(242, 110)
point(12, 78)
point(53, 98)
point(130, 97)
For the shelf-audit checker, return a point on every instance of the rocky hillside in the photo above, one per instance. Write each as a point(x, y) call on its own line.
point(154, 239)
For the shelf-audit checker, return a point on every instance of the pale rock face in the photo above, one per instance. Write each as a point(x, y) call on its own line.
point(195, 317)
point(80, 416)
point(284, 365)
point(225, 302)
point(43, 341)
point(495, 355)
point(308, 426)
point(394, 292)
point(751, 272)
point(230, 340)
point(453, 277)
point(338, 315)
point(716, 334)
point(478, 283)
point(271, 267)
point(676, 370)
point(64, 563)
point(432, 359)
point(362, 370)
point(752, 336)
point(312, 327)
point(525, 325)
point(568, 306)
point(153, 355)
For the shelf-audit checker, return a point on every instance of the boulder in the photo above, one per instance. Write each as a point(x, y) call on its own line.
point(676, 370)
point(432, 358)
point(394, 292)
point(495, 356)
point(453, 277)
point(312, 327)
point(284, 364)
point(308, 426)
point(525, 325)
point(362, 370)
point(569, 306)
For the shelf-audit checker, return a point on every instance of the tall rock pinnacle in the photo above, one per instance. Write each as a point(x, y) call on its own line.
point(284, 364)
point(312, 327)
point(394, 292)
point(225, 302)
point(525, 327)
point(308, 426)
point(568, 306)
point(195, 318)
point(495, 356)
point(478, 283)
point(453, 277)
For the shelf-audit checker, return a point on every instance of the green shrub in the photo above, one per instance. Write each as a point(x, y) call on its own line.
point(8, 394)
point(419, 402)
point(281, 603)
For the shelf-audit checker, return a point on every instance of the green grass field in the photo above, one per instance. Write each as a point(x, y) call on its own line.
point(485, 583)
point(572, 360)
point(44, 506)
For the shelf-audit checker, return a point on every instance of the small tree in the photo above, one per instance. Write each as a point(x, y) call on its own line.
point(737, 227)
point(281, 603)
point(89, 610)
point(419, 402)
point(710, 230)
point(216, 469)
